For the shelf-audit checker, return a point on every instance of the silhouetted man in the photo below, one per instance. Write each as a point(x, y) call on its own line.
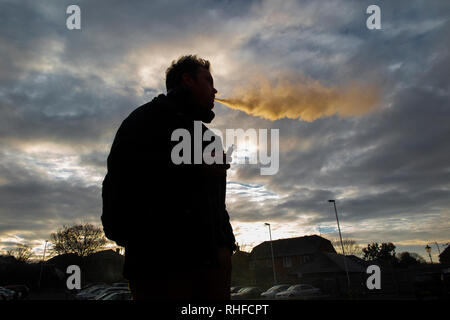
point(171, 218)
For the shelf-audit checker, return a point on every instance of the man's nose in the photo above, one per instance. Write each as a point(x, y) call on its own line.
point(215, 91)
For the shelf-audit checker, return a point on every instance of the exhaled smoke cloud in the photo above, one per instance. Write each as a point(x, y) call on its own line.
point(302, 99)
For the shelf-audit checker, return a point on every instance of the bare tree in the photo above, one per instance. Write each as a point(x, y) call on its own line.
point(350, 247)
point(79, 239)
point(22, 253)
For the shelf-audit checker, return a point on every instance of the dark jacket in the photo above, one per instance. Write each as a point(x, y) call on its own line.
point(165, 215)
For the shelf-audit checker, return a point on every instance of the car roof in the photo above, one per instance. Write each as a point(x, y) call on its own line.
point(107, 293)
point(117, 293)
point(280, 285)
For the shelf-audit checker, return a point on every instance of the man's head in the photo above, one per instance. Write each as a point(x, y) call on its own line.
point(191, 74)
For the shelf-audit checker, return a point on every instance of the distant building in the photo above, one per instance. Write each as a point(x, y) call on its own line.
point(444, 257)
point(102, 266)
point(240, 271)
point(13, 271)
point(289, 254)
point(330, 263)
point(62, 261)
point(7, 260)
point(328, 271)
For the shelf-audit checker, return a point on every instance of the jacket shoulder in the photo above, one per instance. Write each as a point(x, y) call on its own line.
point(145, 118)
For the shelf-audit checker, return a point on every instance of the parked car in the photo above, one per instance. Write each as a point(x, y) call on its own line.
point(121, 284)
point(428, 284)
point(119, 295)
point(235, 289)
point(92, 285)
point(90, 293)
point(298, 290)
point(271, 292)
point(21, 291)
point(7, 294)
point(87, 291)
point(105, 292)
point(248, 293)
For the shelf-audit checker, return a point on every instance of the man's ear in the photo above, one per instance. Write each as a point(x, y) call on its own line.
point(187, 80)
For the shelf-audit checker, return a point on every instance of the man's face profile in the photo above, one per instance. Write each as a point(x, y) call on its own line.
point(202, 88)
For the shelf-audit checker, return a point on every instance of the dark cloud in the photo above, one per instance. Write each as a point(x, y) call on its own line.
point(34, 203)
point(62, 108)
point(94, 158)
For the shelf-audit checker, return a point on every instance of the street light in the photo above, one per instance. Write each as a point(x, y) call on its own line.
point(273, 259)
point(428, 249)
point(342, 244)
point(42, 263)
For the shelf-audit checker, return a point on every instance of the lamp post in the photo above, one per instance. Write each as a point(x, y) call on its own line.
point(42, 264)
point(428, 249)
point(273, 258)
point(342, 244)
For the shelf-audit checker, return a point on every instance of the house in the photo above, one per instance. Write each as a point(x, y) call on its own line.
point(327, 262)
point(102, 266)
point(6, 261)
point(444, 257)
point(240, 271)
point(328, 271)
point(288, 254)
point(32, 275)
point(62, 261)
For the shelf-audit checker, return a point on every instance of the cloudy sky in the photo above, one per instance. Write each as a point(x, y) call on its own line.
point(366, 122)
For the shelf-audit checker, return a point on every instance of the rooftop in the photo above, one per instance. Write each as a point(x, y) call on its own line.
point(293, 246)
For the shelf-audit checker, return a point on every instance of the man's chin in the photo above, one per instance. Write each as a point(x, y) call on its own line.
point(208, 116)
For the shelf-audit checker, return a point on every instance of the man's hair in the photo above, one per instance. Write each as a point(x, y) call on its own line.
point(186, 64)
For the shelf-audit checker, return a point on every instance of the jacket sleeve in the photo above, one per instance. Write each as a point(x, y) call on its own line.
point(226, 228)
point(228, 232)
